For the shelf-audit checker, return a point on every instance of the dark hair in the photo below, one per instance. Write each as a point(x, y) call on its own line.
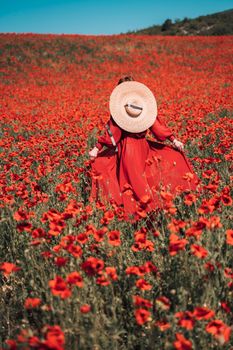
point(125, 78)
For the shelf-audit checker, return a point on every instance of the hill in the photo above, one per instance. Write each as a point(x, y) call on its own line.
point(220, 23)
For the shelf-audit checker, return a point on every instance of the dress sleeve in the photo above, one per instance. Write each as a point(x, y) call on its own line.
point(161, 131)
point(105, 140)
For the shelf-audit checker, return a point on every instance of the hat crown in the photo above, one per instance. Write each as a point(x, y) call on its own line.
point(133, 108)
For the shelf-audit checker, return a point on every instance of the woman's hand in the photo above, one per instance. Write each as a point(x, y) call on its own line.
point(93, 153)
point(178, 145)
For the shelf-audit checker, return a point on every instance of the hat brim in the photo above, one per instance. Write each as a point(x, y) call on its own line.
point(125, 92)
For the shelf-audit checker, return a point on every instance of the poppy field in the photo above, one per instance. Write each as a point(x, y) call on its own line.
point(76, 274)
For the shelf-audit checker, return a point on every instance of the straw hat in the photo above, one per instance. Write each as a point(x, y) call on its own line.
point(133, 106)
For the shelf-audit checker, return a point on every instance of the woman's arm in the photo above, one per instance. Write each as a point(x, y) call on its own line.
point(162, 132)
point(105, 139)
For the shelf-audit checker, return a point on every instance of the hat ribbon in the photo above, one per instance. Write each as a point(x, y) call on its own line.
point(111, 137)
point(133, 106)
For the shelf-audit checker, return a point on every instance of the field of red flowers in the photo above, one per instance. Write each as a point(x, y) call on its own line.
point(75, 274)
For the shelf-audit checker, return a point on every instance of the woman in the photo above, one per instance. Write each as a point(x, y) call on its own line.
point(133, 171)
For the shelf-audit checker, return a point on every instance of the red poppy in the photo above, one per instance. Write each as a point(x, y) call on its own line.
point(181, 343)
point(99, 234)
point(214, 222)
point(103, 279)
point(189, 199)
point(203, 313)
point(133, 270)
point(209, 266)
point(139, 301)
point(198, 251)
point(197, 227)
point(108, 217)
point(75, 278)
point(111, 272)
point(186, 319)
point(31, 303)
point(226, 200)
point(60, 261)
point(21, 215)
point(82, 238)
point(114, 238)
point(92, 266)
point(162, 325)
point(54, 338)
point(225, 307)
point(85, 308)
point(229, 235)
point(176, 244)
point(163, 302)
point(150, 267)
point(75, 250)
point(59, 287)
point(7, 268)
point(228, 272)
point(142, 316)
point(56, 227)
point(143, 284)
point(24, 226)
point(206, 207)
point(220, 330)
point(176, 225)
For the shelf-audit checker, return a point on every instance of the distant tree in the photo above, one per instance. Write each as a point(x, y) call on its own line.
point(166, 25)
point(185, 20)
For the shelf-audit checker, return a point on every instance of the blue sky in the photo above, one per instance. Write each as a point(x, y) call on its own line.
point(98, 17)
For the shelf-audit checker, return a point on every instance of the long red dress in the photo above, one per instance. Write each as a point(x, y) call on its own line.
point(134, 175)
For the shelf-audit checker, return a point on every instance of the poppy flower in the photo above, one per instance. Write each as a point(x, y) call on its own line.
point(82, 238)
point(24, 226)
point(114, 238)
point(219, 330)
point(162, 325)
point(59, 287)
point(74, 250)
point(163, 302)
point(103, 280)
point(226, 200)
point(7, 268)
point(228, 272)
point(203, 313)
point(60, 261)
point(229, 235)
point(181, 343)
point(186, 319)
point(54, 338)
point(176, 244)
point(198, 251)
point(142, 316)
point(75, 278)
point(85, 308)
point(143, 284)
point(111, 272)
point(92, 266)
point(31, 303)
point(225, 307)
point(139, 301)
point(189, 199)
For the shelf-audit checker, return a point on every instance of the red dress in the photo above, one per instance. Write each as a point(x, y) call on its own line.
point(134, 175)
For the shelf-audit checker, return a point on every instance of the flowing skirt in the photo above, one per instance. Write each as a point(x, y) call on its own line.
point(140, 175)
